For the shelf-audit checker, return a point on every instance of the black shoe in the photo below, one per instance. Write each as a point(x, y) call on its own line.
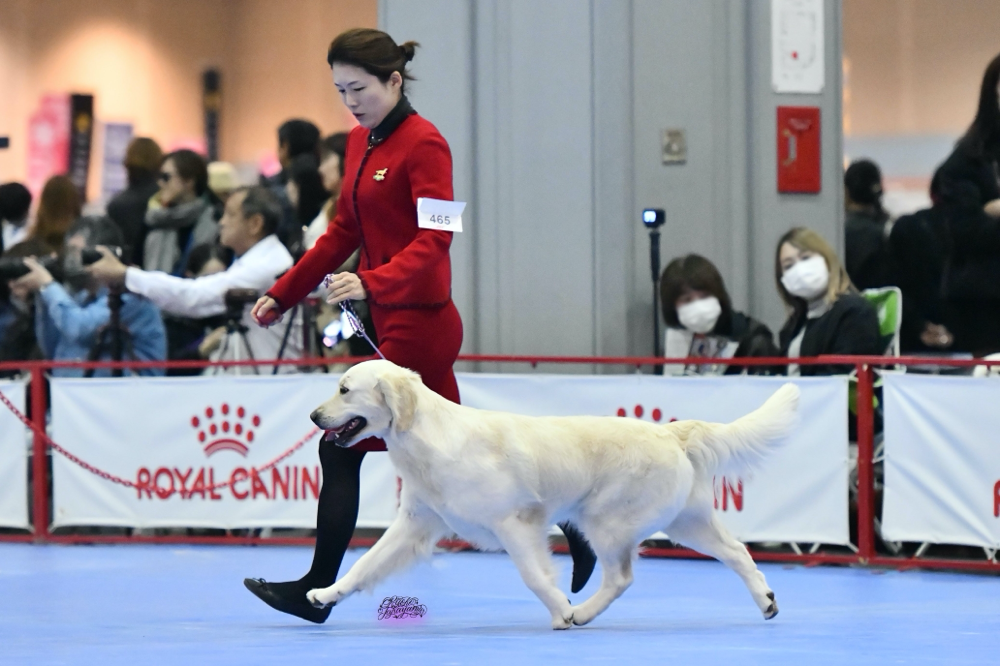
point(299, 607)
point(583, 556)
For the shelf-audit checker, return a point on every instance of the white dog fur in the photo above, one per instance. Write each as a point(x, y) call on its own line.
point(501, 480)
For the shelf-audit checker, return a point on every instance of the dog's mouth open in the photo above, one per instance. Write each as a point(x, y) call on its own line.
point(341, 435)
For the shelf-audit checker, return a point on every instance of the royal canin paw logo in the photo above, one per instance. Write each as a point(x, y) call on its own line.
point(225, 429)
point(656, 414)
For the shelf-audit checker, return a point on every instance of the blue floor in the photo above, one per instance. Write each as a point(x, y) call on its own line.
point(186, 605)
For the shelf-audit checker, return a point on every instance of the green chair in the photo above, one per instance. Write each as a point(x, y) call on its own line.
point(888, 302)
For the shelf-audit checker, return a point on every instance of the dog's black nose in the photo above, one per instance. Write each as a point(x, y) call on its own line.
point(315, 416)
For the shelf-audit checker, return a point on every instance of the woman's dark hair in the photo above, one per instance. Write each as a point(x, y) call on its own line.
point(691, 272)
point(863, 181)
point(373, 51)
point(335, 144)
point(15, 201)
point(983, 136)
point(58, 208)
point(143, 158)
point(190, 166)
point(301, 137)
point(304, 172)
point(202, 254)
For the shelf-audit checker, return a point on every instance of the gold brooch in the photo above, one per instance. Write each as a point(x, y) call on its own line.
point(380, 174)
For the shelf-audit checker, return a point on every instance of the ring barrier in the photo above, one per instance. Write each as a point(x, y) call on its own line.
point(216, 452)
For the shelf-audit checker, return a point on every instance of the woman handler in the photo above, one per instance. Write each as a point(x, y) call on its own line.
point(393, 157)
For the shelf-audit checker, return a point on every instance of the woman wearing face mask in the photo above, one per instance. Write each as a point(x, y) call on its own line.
point(393, 157)
point(827, 314)
point(701, 321)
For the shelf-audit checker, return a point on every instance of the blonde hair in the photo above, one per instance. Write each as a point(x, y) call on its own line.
point(807, 239)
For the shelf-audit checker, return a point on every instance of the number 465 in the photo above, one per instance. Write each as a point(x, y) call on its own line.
point(441, 219)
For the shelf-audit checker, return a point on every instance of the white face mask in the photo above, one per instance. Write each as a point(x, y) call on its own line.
point(700, 316)
point(807, 279)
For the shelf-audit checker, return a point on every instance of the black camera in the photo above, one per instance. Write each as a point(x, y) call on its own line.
point(654, 217)
point(12, 268)
point(237, 300)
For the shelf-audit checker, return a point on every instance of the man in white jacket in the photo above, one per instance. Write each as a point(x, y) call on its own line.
point(248, 228)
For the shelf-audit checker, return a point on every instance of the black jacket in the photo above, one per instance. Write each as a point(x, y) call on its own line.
point(866, 253)
point(754, 338)
point(128, 210)
point(968, 180)
point(921, 246)
point(850, 327)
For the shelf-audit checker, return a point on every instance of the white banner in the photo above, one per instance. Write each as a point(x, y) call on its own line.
point(942, 461)
point(158, 432)
point(178, 437)
point(798, 494)
point(13, 460)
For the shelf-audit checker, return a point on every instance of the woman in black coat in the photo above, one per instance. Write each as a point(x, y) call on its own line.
point(970, 193)
point(827, 315)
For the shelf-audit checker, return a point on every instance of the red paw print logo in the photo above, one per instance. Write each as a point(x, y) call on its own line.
point(225, 429)
point(656, 414)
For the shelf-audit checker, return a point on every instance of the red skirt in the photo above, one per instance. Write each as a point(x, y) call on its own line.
point(425, 340)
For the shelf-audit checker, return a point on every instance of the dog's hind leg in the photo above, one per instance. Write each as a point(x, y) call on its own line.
point(616, 564)
point(526, 541)
point(702, 531)
point(412, 535)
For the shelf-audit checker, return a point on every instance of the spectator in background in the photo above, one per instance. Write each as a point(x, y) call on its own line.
point(68, 321)
point(181, 214)
point(827, 316)
point(58, 208)
point(331, 169)
point(248, 229)
point(920, 246)
point(15, 204)
point(222, 180)
point(866, 228)
point(295, 137)
point(305, 190)
point(970, 195)
point(128, 208)
point(701, 321)
point(186, 337)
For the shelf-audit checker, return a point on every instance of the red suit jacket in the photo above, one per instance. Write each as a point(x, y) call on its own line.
point(401, 266)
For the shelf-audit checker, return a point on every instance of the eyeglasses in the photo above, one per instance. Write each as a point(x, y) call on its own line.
point(165, 177)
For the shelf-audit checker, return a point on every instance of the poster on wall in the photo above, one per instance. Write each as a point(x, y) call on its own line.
point(114, 177)
point(80, 134)
point(797, 46)
point(48, 141)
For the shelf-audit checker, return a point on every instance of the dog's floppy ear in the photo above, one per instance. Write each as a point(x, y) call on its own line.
point(401, 398)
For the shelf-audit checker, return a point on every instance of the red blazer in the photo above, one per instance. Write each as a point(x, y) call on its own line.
point(401, 266)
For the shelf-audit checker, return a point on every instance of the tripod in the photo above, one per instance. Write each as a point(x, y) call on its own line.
point(236, 333)
point(654, 261)
point(113, 338)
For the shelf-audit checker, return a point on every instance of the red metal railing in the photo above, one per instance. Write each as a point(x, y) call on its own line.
point(864, 367)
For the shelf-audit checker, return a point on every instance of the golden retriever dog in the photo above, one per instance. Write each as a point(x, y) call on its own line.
point(501, 480)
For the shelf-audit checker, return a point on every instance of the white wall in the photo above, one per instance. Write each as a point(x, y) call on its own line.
point(553, 109)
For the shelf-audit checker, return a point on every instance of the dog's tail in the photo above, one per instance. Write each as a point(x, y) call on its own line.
point(722, 447)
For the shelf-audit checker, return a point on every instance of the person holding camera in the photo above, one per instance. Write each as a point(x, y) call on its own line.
point(248, 228)
point(70, 319)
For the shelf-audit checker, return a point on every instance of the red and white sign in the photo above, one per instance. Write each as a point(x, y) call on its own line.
point(13, 460)
point(798, 494)
point(942, 460)
point(48, 141)
point(193, 446)
point(176, 438)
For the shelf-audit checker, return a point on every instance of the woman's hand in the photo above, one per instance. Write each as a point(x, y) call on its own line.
point(345, 286)
point(266, 311)
point(992, 208)
point(936, 335)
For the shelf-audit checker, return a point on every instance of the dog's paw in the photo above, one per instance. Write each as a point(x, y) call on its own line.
point(772, 610)
point(321, 598)
point(559, 622)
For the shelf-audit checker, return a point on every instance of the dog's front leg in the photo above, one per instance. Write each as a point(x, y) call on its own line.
point(526, 541)
point(412, 535)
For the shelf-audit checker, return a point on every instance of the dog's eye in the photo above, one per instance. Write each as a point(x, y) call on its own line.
point(343, 390)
